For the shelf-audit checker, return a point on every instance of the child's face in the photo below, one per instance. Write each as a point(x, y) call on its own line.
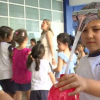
point(32, 43)
point(61, 46)
point(80, 47)
point(91, 36)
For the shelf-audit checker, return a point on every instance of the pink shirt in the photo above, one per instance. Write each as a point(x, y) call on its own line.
point(21, 74)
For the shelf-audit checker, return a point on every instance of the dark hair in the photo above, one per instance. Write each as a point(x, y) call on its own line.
point(92, 5)
point(37, 53)
point(33, 40)
point(80, 43)
point(20, 35)
point(5, 32)
point(65, 38)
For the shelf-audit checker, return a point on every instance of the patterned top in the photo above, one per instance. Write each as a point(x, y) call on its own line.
point(21, 74)
point(72, 64)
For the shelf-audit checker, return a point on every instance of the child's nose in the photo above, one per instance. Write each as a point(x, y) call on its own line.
point(90, 34)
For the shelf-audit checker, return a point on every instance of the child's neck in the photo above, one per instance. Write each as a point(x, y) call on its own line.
point(67, 52)
point(21, 46)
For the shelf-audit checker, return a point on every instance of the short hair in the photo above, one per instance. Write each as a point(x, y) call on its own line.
point(33, 40)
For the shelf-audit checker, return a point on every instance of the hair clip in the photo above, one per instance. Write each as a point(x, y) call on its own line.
point(12, 48)
point(5, 34)
point(16, 32)
point(23, 34)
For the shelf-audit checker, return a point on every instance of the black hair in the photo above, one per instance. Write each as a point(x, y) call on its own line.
point(37, 53)
point(80, 43)
point(33, 40)
point(65, 38)
point(5, 32)
point(20, 35)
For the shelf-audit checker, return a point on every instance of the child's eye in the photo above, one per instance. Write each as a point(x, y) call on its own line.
point(84, 30)
point(96, 29)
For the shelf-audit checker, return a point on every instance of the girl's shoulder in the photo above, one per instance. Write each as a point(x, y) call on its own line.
point(49, 33)
point(24, 49)
point(63, 56)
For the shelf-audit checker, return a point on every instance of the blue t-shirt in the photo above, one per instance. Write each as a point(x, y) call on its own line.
point(72, 64)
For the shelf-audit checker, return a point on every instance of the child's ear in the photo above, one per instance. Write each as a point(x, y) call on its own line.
point(66, 44)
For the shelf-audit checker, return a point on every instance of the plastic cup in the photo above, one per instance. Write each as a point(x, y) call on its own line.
point(56, 94)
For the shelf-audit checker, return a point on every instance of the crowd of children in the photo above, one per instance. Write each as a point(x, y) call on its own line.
point(26, 70)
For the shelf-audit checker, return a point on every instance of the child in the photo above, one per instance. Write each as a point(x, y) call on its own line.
point(3, 95)
point(6, 34)
point(21, 75)
point(41, 71)
point(89, 66)
point(64, 42)
point(33, 43)
point(81, 54)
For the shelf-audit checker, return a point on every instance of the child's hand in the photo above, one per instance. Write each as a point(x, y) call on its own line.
point(69, 81)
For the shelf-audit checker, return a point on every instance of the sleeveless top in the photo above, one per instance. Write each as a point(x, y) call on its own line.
point(71, 68)
point(44, 40)
point(21, 74)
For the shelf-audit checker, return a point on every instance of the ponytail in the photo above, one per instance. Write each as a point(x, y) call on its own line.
point(37, 53)
point(29, 61)
point(37, 61)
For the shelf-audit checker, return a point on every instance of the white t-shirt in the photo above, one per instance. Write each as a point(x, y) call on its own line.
point(89, 67)
point(40, 79)
point(5, 63)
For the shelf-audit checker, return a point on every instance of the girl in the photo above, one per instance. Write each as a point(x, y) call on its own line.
point(33, 43)
point(88, 79)
point(47, 40)
point(6, 34)
point(64, 42)
point(41, 70)
point(81, 54)
point(21, 75)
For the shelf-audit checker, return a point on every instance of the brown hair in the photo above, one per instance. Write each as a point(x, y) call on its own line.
point(37, 53)
point(49, 24)
point(92, 5)
point(5, 32)
point(65, 38)
point(20, 35)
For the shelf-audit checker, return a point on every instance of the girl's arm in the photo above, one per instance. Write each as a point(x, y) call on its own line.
point(59, 66)
point(4, 96)
point(52, 77)
point(80, 84)
point(49, 36)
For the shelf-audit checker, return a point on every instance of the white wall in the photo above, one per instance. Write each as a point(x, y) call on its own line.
point(81, 2)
